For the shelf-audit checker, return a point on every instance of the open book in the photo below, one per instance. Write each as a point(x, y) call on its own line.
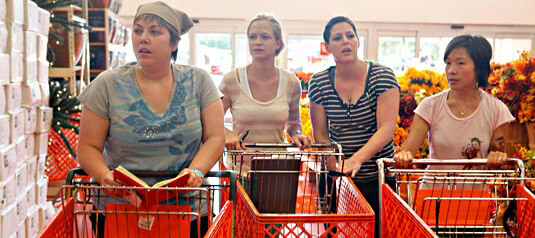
point(148, 197)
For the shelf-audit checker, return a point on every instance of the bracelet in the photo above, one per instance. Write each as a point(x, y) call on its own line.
point(198, 172)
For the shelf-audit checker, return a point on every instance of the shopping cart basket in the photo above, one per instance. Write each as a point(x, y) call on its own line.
point(457, 203)
point(285, 193)
point(86, 211)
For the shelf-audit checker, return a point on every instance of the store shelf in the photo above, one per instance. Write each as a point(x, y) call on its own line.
point(61, 72)
point(71, 13)
point(108, 38)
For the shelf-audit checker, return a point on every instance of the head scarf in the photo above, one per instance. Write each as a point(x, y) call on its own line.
point(176, 18)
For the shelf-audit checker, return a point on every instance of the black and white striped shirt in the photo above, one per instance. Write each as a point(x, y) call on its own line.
point(353, 125)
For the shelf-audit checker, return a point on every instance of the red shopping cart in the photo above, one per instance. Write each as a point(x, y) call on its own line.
point(292, 193)
point(86, 211)
point(457, 203)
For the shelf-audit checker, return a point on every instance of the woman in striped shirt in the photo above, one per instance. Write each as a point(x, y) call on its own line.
point(355, 104)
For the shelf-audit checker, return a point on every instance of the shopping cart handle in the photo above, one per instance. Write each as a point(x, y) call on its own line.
point(389, 161)
point(284, 145)
point(336, 173)
point(72, 173)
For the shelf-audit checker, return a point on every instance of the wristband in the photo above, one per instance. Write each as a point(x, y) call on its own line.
point(198, 172)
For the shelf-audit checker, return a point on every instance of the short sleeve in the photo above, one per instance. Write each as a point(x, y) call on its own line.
point(386, 80)
point(96, 96)
point(503, 115)
point(314, 90)
point(206, 88)
point(425, 109)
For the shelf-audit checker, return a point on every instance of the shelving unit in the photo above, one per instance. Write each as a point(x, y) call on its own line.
point(69, 73)
point(107, 40)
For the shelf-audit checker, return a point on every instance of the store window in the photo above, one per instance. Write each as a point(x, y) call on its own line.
point(432, 53)
point(508, 49)
point(242, 57)
point(183, 55)
point(397, 52)
point(213, 53)
point(304, 53)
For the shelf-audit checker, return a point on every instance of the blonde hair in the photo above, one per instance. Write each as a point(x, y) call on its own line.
point(277, 29)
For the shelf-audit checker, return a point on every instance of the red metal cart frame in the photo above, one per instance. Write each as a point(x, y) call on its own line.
point(458, 202)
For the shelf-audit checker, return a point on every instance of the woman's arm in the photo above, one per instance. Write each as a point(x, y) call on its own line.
point(320, 130)
point(387, 112)
point(213, 137)
point(415, 139)
point(496, 156)
point(294, 123)
point(93, 133)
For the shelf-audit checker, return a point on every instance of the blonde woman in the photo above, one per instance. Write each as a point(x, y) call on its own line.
point(263, 99)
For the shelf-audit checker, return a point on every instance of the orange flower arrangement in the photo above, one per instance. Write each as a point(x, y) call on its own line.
point(514, 84)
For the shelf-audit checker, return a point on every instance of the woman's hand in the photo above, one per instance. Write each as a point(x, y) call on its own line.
point(403, 159)
point(496, 159)
point(194, 180)
point(233, 141)
point(301, 141)
point(351, 166)
point(107, 179)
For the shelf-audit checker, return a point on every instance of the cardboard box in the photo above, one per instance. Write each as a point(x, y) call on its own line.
point(31, 94)
point(44, 119)
point(2, 100)
point(31, 164)
point(21, 176)
point(13, 97)
point(7, 223)
point(41, 143)
point(32, 221)
point(30, 192)
point(5, 129)
point(30, 144)
point(29, 73)
point(43, 21)
point(3, 11)
point(45, 93)
point(31, 15)
point(4, 36)
point(41, 167)
point(8, 159)
point(21, 207)
point(15, 11)
point(30, 120)
point(16, 64)
point(5, 59)
point(42, 71)
point(20, 145)
point(15, 38)
point(41, 190)
point(16, 121)
point(41, 46)
point(30, 45)
point(8, 192)
point(21, 230)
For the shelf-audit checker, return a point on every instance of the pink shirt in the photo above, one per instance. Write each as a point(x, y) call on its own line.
point(451, 137)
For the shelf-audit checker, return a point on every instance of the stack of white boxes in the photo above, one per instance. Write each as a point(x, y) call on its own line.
point(24, 117)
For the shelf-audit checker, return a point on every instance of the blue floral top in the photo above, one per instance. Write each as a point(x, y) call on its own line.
point(138, 137)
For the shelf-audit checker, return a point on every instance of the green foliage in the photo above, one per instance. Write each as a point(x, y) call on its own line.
point(64, 106)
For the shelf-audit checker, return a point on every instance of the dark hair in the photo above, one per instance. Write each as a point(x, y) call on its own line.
point(334, 21)
point(277, 29)
point(173, 33)
point(480, 52)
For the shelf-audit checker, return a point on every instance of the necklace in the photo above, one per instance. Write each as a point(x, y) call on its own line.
point(457, 105)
